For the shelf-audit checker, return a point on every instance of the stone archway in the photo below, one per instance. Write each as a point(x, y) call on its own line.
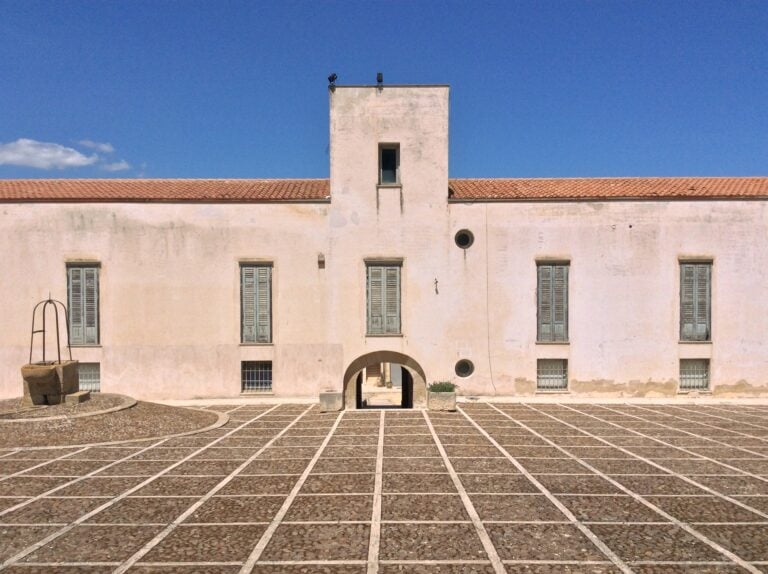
point(419, 380)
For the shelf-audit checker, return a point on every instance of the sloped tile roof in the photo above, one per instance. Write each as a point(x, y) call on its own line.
point(173, 190)
point(609, 188)
point(257, 190)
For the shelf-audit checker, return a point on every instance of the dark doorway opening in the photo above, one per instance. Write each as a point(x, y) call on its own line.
point(384, 386)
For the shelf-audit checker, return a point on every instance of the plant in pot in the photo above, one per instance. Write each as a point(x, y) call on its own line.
point(442, 396)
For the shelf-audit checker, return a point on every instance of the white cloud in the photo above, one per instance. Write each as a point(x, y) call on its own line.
point(43, 155)
point(116, 166)
point(98, 146)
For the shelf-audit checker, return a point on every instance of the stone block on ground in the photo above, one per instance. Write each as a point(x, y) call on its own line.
point(442, 401)
point(77, 397)
point(331, 401)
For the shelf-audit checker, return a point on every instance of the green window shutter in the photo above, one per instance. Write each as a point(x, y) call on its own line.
point(76, 307)
point(687, 304)
point(256, 303)
point(91, 305)
point(376, 296)
point(544, 311)
point(560, 303)
point(263, 304)
point(695, 301)
point(392, 300)
point(703, 298)
point(248, 304)
point(552, 297)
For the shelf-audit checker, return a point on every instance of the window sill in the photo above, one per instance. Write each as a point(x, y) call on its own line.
point(699, 391)
point(377, 335)
point(553, 342)
point(256, 344)
point(257, 393)
point(553, 392)
point(389, 186)
point(694, 342)
point(86, 346)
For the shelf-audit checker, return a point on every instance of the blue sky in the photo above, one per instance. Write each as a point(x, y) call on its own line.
point(238, 89)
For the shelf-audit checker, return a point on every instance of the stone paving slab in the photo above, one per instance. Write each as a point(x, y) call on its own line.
point(534, 488)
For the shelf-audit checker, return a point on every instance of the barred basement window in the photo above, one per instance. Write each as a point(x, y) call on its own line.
point(256, 376)
point(89, 375)
point(694, 374)
point(551, 375)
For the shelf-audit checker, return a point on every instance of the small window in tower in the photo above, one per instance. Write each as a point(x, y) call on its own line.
point(389, 164)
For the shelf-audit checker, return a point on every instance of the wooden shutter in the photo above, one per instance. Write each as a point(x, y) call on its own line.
point(702, 313)
point(263, 304)
point(552, 312)
point(545, 303)
point(375, 300)
point(695, 301)
point(560, 303)
point(91, 304)
point(256, 303)
point(76, 308)
point(248, 304)
point(392, 300)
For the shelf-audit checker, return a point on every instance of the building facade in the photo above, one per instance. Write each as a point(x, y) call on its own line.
point(214, 288)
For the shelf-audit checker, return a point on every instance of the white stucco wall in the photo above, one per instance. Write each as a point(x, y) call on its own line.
point(169, 280)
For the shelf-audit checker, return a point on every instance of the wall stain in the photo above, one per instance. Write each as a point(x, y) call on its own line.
point(635, 388)
point(524, 386)
point(739, 388)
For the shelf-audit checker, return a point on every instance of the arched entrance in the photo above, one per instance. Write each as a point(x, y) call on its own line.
point(413, 386)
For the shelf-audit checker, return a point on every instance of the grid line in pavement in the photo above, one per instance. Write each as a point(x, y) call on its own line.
point(690, 530)
point(202, 500)
point(374, 544)
point(601, 546)
point(43, 464)
point(51, 537)
point(709, 438)
point(671, 471)
point(482, 533)
point(270, 531)
point(78, 479)
point(763, 437)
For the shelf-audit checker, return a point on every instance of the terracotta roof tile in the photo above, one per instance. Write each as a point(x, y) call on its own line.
point(609, 188)
point(119, 190)
point(256, 190)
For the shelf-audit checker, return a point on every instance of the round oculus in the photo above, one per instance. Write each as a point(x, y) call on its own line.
point(464, 368)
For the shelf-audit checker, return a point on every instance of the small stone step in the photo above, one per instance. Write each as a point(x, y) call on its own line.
point(78, 397)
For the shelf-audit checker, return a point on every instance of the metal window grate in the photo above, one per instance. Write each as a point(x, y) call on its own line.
point(256, 376)
point(90, 377)
point(694, 374)
point(551, 374)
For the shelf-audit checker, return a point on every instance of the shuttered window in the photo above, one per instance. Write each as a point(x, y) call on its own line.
point(695, 301)
point(383, 287)
point(552, 295)
point(256, 303)
point(83, 303)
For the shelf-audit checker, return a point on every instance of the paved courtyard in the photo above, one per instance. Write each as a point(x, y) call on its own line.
point(538, 488)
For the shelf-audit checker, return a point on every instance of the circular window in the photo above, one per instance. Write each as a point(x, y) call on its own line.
point(464, 368)
point(464, 238)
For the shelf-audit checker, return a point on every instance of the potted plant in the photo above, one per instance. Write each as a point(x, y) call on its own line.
point(442, 396)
